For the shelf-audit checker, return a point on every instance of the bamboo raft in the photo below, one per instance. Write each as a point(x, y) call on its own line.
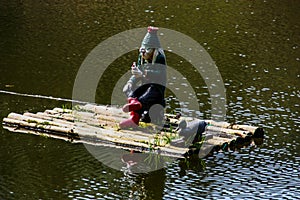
point(98, 125)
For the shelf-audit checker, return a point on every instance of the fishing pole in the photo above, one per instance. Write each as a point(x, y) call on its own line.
point(42, 97)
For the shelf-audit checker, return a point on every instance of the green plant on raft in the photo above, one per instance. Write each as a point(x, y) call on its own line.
point(39, 124)
point(167, 139)
point(45, 123)
point(66, 107)
point(143, 125)
point(76, 107)
point(151, 148)
point(156, 141)
point(116, 127)
point(173, 112)
point(44, 135)
point(32, 121)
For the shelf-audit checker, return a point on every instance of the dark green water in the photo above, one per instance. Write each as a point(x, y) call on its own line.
point(255, 45)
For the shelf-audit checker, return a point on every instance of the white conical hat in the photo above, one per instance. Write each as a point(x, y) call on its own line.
point(151, 39)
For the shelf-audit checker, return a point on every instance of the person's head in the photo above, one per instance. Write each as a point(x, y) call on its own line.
point(150, 43)
point(147, 54)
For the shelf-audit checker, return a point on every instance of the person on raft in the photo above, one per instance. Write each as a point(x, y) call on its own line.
point(146, 87)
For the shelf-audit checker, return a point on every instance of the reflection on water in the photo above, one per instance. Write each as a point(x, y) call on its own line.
point(255, 46)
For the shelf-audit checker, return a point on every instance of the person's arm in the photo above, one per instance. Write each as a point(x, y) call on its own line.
point(136, 74)
point(132, 82)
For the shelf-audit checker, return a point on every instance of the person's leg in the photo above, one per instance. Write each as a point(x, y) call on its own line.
point(133, 103)
point(132, 122)
point(153, 106)
point(139, 91)
point(134, 106)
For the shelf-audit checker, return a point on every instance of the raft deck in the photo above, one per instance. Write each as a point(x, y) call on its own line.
point(98, 125)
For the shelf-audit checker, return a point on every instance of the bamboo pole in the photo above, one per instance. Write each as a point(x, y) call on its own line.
point(44, 116)
point(218, 124)
point(63, 131)
point(100, 109)
point(251, 129)
point(226, 130)
point(37, 121)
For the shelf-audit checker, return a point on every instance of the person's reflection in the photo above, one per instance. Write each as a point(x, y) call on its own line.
point(148, 173)
point(136, 162)
point(150, 185)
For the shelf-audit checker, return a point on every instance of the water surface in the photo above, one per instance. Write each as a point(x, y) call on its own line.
point(255, 46)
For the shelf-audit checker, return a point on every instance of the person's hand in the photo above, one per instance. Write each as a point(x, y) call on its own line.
point(146, 72)
point(136, 72)
point(127, 88)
